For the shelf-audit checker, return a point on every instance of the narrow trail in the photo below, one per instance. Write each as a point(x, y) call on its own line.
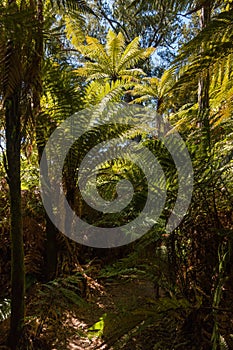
point(114, 297)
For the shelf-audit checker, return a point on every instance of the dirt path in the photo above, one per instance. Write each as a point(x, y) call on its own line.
point(115, 297)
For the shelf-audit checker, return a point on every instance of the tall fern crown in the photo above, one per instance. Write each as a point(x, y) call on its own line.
point(114, 60)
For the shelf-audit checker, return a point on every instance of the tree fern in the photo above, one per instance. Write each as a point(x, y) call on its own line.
point(155, 89)
point(113, 61)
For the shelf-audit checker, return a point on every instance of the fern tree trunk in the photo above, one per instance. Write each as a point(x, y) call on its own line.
point(51, 231)
point(12, 88)
point(204, 108)
point(13, 145)
point(203, 87)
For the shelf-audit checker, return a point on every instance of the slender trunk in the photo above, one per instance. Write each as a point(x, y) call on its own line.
point(204, 107)
point(203, 88)
point(12, 95)
point(13, 142)
point(51, 230)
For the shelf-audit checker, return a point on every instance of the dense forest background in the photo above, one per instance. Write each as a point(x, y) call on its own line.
point(162, 291)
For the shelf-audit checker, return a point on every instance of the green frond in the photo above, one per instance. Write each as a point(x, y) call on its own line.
point(113, 61)
point(92, 71)
point(97, 76)
point(75, 5)
point(216, 38)
point(139, 100)
point(131, 58)
point(174, 6)
point(97, 92)
point(15, 30)
point(148, 52)
point(221, 90)
point(154, 88)
point(96, 50)
point(74, 29)
point(141, 89)
point(144, 92)
point(185, 118)
point(166, 81)
point(153, 81)
point(128, 323)
point(62, 95)
point(115, 46)
point(131, 47)
point(133, 54)
point(132, 74)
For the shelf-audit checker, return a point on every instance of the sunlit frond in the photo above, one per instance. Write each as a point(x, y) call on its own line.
point(114, 60)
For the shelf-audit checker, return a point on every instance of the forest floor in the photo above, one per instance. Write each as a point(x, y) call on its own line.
point(110, 297)
point(113, 298)
point(101, 323)
point(110, 319)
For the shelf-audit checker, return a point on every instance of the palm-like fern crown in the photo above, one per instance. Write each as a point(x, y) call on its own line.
point(113, 61)
point(154, 88)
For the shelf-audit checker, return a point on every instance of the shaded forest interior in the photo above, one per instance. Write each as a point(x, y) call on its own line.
point(161, 289)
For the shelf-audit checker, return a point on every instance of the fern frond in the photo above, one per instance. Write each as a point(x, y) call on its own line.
point(133, 54)
point(114, 60)
point(108, 92)
point(132, 322)
point(75, 5)
point(75, 29)
point(115, 46)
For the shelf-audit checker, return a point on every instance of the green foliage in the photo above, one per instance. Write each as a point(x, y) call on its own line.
point(119, 330)
point(149, 260)
point(75, 71)
point(158, 91)
point(70, 288)
point(54, 300)
point(97, 329)
point(158, 23)
point(78, 6)
point(112, 61)
point(216, 338)
point(96, 93)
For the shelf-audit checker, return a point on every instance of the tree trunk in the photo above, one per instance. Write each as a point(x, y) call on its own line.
point(13, 144)
point(51, 230)
point(204, 107)
point(203, 88)
point(11, 95)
